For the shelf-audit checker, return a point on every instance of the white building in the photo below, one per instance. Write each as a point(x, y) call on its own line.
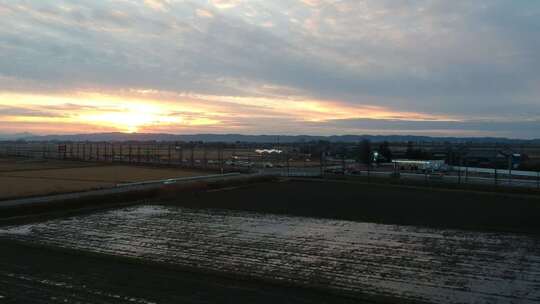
point(432, 165)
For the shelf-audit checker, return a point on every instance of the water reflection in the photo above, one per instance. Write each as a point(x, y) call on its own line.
point(421, 264)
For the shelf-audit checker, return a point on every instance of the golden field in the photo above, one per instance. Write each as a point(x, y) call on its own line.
point(25, 178)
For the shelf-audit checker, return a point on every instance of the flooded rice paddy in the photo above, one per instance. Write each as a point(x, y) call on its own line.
point(359, 259)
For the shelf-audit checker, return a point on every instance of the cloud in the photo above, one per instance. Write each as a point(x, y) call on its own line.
point(467, 60)
point(449, 128)
point(311, 2)
point(225, 4)
point(204, 13)
point(158, 5)
point(9, 111)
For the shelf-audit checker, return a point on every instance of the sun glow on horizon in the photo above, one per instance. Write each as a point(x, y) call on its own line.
point(133, 118)
point(161, 111)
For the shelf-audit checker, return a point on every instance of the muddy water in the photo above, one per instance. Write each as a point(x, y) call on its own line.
point(421, 264)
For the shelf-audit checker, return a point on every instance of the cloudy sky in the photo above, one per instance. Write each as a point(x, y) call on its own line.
point(425, 67)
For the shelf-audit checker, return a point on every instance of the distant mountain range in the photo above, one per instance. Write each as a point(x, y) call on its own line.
point(231, 138)
point(15, 136)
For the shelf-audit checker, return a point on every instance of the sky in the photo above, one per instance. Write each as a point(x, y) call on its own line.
point(318, 67)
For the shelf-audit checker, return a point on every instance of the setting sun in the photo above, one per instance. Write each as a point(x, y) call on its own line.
point(259, 151)
point(132, 119)
point(163, 111)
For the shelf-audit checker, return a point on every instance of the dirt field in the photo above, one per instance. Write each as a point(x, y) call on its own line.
point(14, 187)
point(294, 242)
point(388, 204)
point(21, 164)
point(365, 261)
point(109, 174)
point(25, 179)
point(48, 275)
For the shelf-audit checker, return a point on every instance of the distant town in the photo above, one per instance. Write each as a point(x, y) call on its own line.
point(484, 161)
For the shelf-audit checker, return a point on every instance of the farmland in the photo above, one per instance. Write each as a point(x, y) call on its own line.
point(380, 203)
point(362, 261)
point(292, 241)
point(23, 178)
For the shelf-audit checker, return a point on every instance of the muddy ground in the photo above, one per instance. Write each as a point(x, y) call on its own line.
point(388, 204)
point(292, 242)
point(37, 274)
point(364, 261)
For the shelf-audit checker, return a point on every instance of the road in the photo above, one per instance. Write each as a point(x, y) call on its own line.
point(452, 178)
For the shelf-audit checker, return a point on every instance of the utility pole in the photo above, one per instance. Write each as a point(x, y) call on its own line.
point(460, 166)
point(192, 158)
point(288, 165)
point(181, 154)
point(343, 162)
point(495, 165)
point(466, 171)
point(121, 152)
point(220, 158)
point(90, 151)
point(321, 163)
point(510, 168)
point(369, 169)
point(205, 160)
point(113, 152)
point(169, 152)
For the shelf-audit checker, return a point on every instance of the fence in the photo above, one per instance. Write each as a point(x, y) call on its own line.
point(230, 157)
point(189, 155)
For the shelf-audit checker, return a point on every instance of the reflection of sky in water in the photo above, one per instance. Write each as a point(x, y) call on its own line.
point(417, 263)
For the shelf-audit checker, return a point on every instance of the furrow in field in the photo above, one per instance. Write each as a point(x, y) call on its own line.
point(414, 263)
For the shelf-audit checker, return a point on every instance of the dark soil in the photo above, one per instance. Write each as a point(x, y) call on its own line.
point(43, 275)
point(388, 204)
point(31, 274)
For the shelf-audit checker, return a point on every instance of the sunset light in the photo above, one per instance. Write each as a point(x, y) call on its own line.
point(132, 119)
point(257, 67)
point(269, 151)
point(149, 111)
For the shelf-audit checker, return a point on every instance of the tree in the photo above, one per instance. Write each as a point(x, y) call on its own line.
point(413, 153)
point(365, 154)
point(385, 152)
point(410, 150)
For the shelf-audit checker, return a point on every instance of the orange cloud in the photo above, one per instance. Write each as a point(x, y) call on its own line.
point(158, 5)
point(144, 110)
point(204, 13)
point(225, 4)
point(311, 2)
